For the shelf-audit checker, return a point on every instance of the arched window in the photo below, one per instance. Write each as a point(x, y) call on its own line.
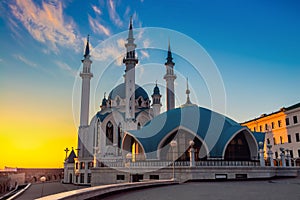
point(119, 135)
point(238, 148)
point(268, 141)
point(109, 133)
point(138, 126)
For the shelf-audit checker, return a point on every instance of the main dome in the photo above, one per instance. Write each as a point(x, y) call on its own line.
point(120, 91)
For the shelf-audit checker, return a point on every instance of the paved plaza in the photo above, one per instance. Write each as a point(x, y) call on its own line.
point(279, 189)
point(35, 190)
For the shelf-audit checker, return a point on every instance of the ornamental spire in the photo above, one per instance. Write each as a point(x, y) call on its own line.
point(187, 92)
point(169, 58)
point(87, 47)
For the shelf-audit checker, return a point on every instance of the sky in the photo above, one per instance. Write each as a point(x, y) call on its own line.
point(254, 46)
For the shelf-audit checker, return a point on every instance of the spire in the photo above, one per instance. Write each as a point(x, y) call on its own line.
point(156, 90)
point(87, 47)
point(130, 38)
point(104, 102)
point(169, 58)
point(187, 92)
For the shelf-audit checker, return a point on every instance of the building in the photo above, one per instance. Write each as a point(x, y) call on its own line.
point(130, 136)
point(282, 129)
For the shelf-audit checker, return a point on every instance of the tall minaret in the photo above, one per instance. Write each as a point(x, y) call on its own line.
point(130, 61)
point(86, 76)
point(170, 78)
point(156, 105)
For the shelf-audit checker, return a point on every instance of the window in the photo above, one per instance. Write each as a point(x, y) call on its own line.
point(268, 141)
point(120, 177)
point(82, 165)
point(91, 165)
point(76, 165)
point(279, 123)
point(295, 119)
point(298, 152)
point(274, 139)
point(76, 179)
point(276, 154)
point(281, 140)
point(89, 178)
point(154, 177)
point(260, 128)
point(272, 125)
point(289, 139)
point(109, 133)
point(287, 121)
point(254, 129)
point(291, 153)
point(266, 127)
point(82, 178)
point(297, 137)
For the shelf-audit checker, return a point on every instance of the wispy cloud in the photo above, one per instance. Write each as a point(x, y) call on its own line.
point(114, 16)
point(145, 54)
point(96, 10)
point(67, 68)
point(97, 27)
point(46, 24)
point(111, 51)
point(26, 61)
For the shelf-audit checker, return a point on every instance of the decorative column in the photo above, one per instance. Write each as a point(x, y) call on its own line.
point(288, 157)
point(270, 155)
point(192, 154)
point(261, 154)
point(282, 156)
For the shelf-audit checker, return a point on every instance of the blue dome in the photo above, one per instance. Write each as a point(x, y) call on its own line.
point(213, 128)
point(120, 91)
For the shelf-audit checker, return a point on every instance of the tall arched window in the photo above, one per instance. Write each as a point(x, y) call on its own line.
point(109, 133)
point(119, 135)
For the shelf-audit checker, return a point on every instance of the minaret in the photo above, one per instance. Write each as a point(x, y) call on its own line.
point(170, 78)
point(130, 61)
point(156, 105)
point(86, 76)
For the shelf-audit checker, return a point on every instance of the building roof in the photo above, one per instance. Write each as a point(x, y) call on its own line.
point(297, 105)
point(213, 128)
point(71, 157)
point(120, 91)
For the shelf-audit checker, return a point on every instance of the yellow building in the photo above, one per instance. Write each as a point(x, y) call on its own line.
point(282, 129)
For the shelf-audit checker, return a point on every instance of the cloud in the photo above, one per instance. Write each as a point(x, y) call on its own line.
point(113, 13)
point(26, 61)
point(46, 24)
point(96, 10)
point(110, 51)
point(66, 68)
point(97, 27)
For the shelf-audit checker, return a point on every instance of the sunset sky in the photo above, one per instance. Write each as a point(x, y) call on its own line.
point(254, 44)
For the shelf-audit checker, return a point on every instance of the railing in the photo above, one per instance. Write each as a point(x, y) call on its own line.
point(209, 163)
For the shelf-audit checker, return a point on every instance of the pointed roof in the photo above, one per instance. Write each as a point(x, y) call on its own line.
point(156, 90)
point(87, 47)
point(71, 157)
point(130, 38)
point(169, 58)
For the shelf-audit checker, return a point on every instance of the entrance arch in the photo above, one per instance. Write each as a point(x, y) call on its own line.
point(183, 137)
point(242, 147)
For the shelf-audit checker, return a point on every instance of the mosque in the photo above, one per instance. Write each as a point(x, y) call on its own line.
point(129, 137)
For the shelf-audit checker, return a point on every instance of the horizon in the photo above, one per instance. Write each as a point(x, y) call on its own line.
point(255, 46)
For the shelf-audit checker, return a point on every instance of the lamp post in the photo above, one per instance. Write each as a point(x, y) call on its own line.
point(173, 145)
point(261, 154)
point(42, 179)
point(129, 157)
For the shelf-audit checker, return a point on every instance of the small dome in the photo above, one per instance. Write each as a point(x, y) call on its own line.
point(120, 91)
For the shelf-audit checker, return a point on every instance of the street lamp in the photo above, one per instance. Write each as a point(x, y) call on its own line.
point(42, 179)
point(173, 145)
point(129, 157)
